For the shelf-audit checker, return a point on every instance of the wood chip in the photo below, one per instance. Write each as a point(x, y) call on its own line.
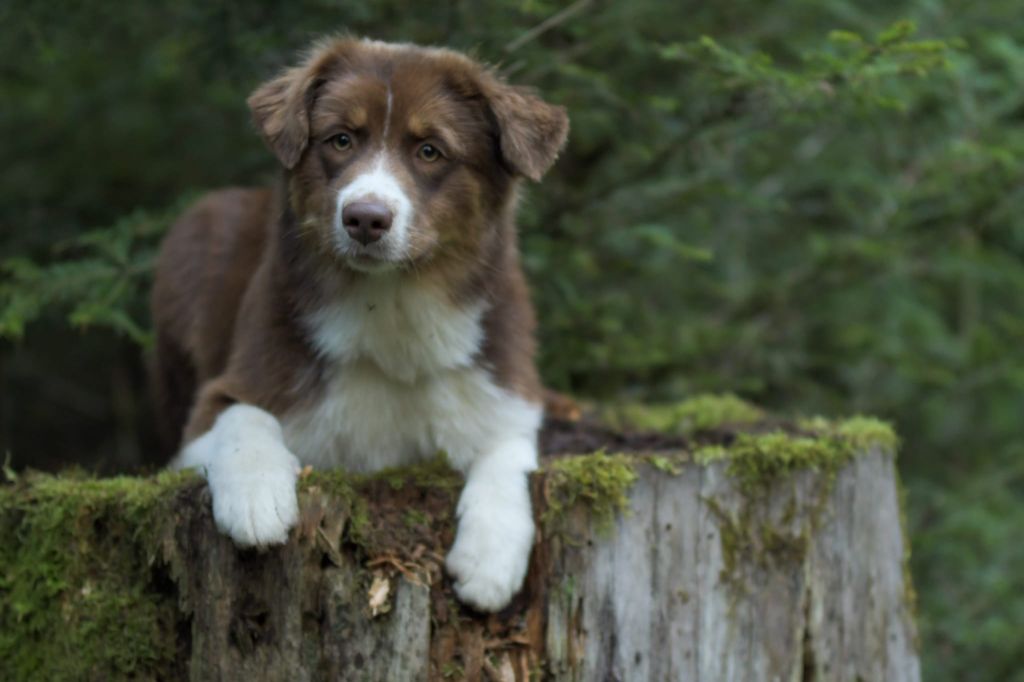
point(380, 590)
point(328, 547)
point(500, 673)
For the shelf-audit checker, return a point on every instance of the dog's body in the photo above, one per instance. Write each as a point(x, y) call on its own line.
point(371, 313)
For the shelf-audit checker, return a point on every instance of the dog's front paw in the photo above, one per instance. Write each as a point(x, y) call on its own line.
point(490, 556)
point(253, 490)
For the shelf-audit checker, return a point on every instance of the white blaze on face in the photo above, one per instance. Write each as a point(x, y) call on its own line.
point(377, 184)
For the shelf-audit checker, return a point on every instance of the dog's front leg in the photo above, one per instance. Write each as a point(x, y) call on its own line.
point(492, 546)
point(251, 475)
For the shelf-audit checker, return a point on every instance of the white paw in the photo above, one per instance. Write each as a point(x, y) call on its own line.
point(491, 553)
point(256, 505)
point(252, 479)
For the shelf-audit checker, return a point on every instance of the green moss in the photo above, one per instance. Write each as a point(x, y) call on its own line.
point(432, 473)
point(750, 540)
point(335, 483)
point(360, 525)
point(669, 465)
point(734, 538)
point(342, 487)
point(78, 594)
point(568, 590)
point(758, 459)
point(600, 481)
point(868, 432)
point(782, 547)
point(861, 432)
point(699, 413)
point(83, 590)
point(452, 671)
point(711, 411)
point(392, 511)
point(415, 517)
point(706, 454)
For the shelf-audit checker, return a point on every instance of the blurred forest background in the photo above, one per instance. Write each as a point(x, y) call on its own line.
point(806, 202)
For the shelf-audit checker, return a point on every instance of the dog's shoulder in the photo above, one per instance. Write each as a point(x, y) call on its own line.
point(230, 223)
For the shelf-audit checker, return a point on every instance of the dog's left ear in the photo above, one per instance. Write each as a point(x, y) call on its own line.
point(280, 107)
point(531, 132)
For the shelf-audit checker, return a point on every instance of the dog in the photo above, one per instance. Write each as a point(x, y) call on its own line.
point(371, 311)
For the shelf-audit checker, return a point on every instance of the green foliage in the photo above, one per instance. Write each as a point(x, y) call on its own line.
point(101, 277)
point(848, 68)
point(967, 559)
point(806, 203)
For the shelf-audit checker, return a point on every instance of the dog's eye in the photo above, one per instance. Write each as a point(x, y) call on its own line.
point(342, 142)
point(428, 152)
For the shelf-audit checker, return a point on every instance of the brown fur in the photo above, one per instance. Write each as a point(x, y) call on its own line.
point(239, 269)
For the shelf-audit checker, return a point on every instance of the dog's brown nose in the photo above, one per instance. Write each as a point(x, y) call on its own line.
point(366, 221)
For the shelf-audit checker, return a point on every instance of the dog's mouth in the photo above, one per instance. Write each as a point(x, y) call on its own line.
point(369, 260)
point(365, 262)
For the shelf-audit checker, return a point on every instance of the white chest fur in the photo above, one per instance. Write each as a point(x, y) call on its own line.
point(407, 331)
point(402, 384)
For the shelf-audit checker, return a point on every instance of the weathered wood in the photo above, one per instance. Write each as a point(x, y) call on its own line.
point(814, 589)
point(299, 612)
point(708, 577)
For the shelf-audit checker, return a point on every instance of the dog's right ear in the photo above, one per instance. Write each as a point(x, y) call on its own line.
point(280, 107)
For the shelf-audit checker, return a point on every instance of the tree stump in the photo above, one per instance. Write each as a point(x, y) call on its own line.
point(714, 553)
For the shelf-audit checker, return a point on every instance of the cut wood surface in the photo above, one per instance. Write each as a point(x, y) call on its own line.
point(770, 555)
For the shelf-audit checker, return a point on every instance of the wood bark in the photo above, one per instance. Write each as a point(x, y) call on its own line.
point(703, 579)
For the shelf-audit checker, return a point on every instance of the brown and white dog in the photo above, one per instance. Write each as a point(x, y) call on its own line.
point(373, 311)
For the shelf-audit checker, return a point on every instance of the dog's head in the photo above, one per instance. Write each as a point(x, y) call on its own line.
point(399, 155)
